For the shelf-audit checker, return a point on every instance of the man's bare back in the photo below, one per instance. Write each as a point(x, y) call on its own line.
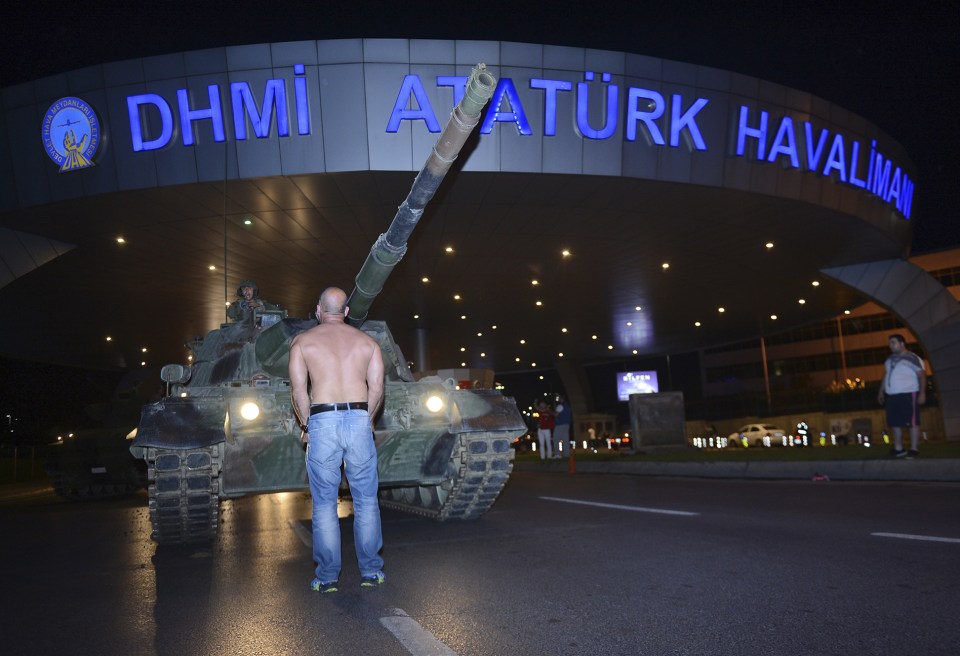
point(335, 361)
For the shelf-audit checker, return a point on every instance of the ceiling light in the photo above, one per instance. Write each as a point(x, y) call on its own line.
point(523, 341)
point(801, 301)
point(609, 347)
point(143, 350)
point(493, 327)
point(109, 339)
point(696, 323)
point(638, 308)
point(463, 316)
point(629, 323)
point(516, 359)
point(448, 249)
point(424, 279)
point(539, 303)
point(121, 240)
point(463, 364)
point(534, 282)
point(593, 337)
point(563, 330)
point(416, 316)
point(721, 309)
point(815, 283)
point(560, 354)
point(634, 351)
point(565, 252)
point(483, 355)
point(846, 311)
point(212, 268)
point(541, 376)
point(665, 266)
point(479, 334)
point(769, 245)
point(463, 348)
point(456, 297)
point(773, 316)
point(247, 222)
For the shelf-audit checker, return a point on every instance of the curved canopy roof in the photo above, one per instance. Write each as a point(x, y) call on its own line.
point(567, 235)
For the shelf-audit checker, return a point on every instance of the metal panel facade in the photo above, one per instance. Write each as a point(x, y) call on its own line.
point(344, 105)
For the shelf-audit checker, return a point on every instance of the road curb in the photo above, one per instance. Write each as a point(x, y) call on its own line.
point(941, 469)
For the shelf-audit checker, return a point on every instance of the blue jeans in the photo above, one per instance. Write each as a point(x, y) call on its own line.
point(343, 436)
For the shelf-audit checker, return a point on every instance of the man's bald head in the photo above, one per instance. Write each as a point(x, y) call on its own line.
point(333, 302)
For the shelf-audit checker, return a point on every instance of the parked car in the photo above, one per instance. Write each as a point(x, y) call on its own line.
point(757, 435)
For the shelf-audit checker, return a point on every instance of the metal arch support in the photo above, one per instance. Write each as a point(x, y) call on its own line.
point(928, 309)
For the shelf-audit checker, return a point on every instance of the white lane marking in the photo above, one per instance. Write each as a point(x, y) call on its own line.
point(302, 533)
point(615, 506)
point(415, 639)
point(924, 538)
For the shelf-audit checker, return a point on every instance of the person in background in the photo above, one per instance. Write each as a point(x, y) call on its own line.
point(545, 424)
point(561, 431)
point(903, 391)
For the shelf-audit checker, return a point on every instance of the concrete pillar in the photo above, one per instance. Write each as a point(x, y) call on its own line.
point(420, 352)
point(575, 382)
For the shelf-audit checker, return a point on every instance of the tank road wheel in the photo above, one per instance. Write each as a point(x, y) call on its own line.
point(184, 488)
point(478, 469)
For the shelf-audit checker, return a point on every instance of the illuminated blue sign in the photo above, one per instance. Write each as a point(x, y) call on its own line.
point(646, 113)
point(71, 133)
point(625, 113)
point(244, 104)
point(827, 154)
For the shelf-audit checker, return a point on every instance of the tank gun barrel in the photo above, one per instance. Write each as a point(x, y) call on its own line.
point(391, 246)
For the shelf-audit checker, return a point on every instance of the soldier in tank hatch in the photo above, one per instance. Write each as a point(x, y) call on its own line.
point(248, 300)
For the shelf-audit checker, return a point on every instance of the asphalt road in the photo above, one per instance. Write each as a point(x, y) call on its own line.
point(563, 564)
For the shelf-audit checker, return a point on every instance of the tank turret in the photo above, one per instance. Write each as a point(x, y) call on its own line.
point(226, 426)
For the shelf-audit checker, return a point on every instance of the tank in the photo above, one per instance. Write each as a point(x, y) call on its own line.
point(226, 427)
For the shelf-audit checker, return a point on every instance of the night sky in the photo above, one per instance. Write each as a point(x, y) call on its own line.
point(894, 63)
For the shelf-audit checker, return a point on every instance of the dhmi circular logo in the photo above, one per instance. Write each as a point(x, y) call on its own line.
point(71, 133)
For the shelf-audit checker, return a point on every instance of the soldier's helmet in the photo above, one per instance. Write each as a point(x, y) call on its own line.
point(248, 283)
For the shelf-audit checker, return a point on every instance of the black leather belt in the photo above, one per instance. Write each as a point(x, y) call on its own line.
point(327, 407)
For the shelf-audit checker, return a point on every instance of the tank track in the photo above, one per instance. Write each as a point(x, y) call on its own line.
point(478, 470)
point(183, 489)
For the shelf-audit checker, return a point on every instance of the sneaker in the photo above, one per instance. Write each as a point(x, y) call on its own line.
point(898, 453)
point(374, 581)
point(912, 453)
point(319, 586)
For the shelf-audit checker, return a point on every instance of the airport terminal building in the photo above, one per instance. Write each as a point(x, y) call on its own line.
point(610, 205)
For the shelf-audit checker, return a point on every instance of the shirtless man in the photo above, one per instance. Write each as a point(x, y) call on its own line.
point(336, 379)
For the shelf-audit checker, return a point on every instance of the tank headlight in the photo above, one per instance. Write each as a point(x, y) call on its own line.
point(250, 411)
point(434, 403)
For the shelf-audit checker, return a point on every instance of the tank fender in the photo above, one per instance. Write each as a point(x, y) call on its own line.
point(415, 457)
point(480, 410)
point(182, 423)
